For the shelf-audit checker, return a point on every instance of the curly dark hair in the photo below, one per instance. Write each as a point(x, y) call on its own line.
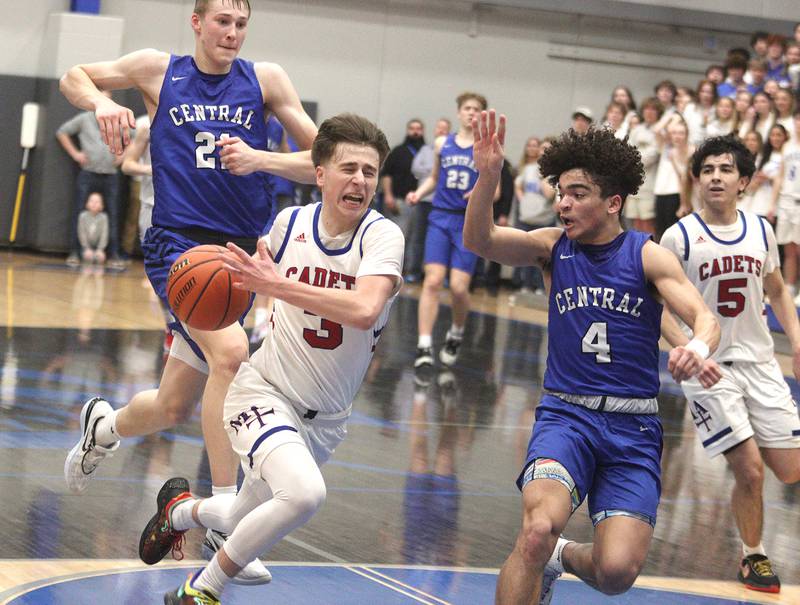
point(745, 162)
point(614, 165)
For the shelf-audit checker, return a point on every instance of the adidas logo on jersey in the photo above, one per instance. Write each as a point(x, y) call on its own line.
point(301, 238)
point(701, 240)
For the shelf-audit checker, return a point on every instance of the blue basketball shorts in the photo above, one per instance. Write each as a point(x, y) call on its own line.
point(444, 242)
point(614, 458)
point(162, 247)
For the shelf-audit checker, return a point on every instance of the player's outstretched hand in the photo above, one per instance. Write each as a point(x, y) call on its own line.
point(256, 273)
point(115, 123)
point(490, 136)
point(237, 156)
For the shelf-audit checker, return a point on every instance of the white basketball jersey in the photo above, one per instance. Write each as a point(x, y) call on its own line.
point(727, 265)
point(317, 363)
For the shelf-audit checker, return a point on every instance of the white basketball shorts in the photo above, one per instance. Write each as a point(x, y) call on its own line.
point(259, 418)
point(751, 400)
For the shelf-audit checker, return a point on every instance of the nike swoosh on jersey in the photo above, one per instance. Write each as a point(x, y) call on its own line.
point(562, 257)
point(176, 78)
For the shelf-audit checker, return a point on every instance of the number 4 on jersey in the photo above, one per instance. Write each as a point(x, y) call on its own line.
point(595, 341)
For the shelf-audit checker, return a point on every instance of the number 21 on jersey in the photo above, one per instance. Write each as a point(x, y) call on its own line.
point(204, 152)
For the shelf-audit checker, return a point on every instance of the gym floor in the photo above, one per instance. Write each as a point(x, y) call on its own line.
point(421, 507)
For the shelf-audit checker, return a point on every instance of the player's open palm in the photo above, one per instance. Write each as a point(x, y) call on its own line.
point(115, 123)
point(256, 273)
point(489, 132)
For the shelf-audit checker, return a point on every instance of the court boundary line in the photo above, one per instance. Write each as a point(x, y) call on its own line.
point(358, 571)
point(407, 586)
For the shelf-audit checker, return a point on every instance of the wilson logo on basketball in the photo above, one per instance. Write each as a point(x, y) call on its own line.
point(301, 238)
point(183, 291)
point(177, 267)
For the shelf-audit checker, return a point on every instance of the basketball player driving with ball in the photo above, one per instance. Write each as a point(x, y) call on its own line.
point(336, 270)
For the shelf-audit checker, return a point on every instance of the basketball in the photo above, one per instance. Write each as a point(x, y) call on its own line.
point(200, 291)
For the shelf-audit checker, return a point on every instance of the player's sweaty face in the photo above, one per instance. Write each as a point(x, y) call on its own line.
point(349, 179)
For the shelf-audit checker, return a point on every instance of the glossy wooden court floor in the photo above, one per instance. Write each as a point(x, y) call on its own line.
point(421, 507)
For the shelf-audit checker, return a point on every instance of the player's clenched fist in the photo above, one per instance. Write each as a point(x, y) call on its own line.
point(237, 156)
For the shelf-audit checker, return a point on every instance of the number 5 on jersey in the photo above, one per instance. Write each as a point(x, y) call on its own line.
point(595, 341)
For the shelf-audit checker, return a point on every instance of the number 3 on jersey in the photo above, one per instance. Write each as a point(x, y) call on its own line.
point(328, 337)
point(595, 341)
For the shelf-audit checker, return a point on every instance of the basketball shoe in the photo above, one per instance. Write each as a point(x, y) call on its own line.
point(756, 573)
point(83, 459)
point(251, 574)
point(188, 595)
point(449, 352)
point(158, 537)
point(552, 571)
point(424, 357)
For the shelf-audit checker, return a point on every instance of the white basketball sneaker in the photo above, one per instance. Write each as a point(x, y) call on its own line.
point(83, 459)
point(552, 571)
point(252, 573)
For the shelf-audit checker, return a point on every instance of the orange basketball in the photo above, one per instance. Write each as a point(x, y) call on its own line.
point(200, 291)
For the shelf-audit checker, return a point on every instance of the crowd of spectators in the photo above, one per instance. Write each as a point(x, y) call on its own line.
point(753, 96)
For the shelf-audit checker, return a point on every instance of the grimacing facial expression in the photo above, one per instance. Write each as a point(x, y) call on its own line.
point(348, 180)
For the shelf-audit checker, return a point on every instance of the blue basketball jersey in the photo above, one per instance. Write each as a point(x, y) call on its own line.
point(457, 176)
point(192, 186)
point(603, 322)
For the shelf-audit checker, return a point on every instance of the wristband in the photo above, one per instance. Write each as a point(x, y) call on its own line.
point(699, 347)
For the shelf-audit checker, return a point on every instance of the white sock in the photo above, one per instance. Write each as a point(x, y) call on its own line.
point(425, 341)
point(758, 549)
point(180, 517)
point(262, 313)
point(455, 332)
point(105, 433)
point(218, 490)
point(212, 578)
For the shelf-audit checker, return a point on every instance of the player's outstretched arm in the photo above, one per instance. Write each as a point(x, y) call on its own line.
point(241, 159)
point(783, 306)
point(282, 99)
point(82, 86)
point(664, 271)
point(505, 245)
point(357, 308)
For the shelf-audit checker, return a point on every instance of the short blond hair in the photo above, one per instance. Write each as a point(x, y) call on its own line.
point(201, 6)
point(469, 96)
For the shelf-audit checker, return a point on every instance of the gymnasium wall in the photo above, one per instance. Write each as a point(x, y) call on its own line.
point(387, 60)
